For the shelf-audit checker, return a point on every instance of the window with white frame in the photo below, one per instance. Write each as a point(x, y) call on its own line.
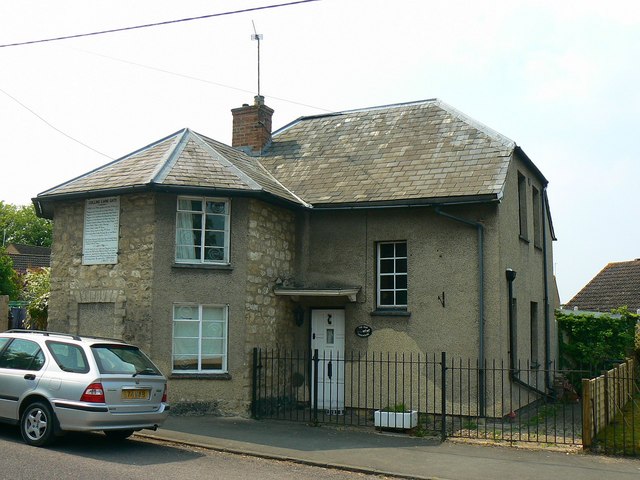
point(392, 274)
point(200, 334)
point(202, 230)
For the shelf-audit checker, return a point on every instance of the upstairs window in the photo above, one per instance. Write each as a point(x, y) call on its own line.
point(537, 218)
point(392, 274)
point(522, 205)
point(202, 230)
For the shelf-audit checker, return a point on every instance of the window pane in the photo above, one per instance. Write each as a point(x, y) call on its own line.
point(401, 249)
point(215, 222)
point(386, 282)
point(122, 359)
point(70, 358)
point(401, 297)
point(211, 346)
point(386, 266)
point(401, 281)
point(386, 250)
point(186, 312)
point(38, 361)
point(186, 329)
point(19, 355)
point(216, 207)
point(386, 298)
point(190, 204)
point(401, 265)
point(214, 239)
point(212, 313)
point(214, 254)
point(212, 362)
point(185, 345)
point(212, 329)
point(185, 362)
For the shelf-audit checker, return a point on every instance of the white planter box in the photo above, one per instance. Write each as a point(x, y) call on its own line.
point(404, 420)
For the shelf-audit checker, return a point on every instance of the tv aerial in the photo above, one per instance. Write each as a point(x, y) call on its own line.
point(257, 36)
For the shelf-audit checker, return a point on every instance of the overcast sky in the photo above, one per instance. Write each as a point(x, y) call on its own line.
point(561, 78)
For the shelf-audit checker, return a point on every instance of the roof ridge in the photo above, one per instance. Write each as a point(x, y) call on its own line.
point(258, 163)
point(355, 110)
point(254, 185)
point(170, 157)
point(504, 140)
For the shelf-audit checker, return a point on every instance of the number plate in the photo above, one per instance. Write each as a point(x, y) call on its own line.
point(135, 394)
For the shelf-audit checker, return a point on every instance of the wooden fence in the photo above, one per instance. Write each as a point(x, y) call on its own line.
point(603, 397)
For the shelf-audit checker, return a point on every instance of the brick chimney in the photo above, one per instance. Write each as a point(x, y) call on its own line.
point(252, 126)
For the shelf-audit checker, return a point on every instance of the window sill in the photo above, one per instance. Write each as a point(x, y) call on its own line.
point(524, 239)
point(200, 376)
point(203, 266)
point(390, 313)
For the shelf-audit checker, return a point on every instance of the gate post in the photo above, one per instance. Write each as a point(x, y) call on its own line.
point(587, 414)
point(443, 396)
point(314, 406)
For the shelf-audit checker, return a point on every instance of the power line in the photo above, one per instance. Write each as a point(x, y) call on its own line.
point(53, 126)
point(167, 22)
point(203, 80)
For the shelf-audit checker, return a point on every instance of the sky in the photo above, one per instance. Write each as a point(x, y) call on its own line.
point(560, 78)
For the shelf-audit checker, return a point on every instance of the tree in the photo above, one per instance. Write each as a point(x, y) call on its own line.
point(37, 285)
point(20, 224)
point(9, 280)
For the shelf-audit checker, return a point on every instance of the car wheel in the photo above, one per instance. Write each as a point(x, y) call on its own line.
point(118, 434)
point(37, 424)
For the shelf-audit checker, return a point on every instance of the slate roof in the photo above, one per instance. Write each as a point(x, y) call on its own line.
point(423, 150)
point(184, 160)
point(419, 153)
point(617, 285)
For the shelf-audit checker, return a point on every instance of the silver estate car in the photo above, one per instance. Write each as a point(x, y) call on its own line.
point(54, 382)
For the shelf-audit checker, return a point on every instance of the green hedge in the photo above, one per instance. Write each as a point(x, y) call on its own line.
point(596, 341)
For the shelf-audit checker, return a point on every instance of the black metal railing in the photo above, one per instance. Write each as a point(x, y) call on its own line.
point(426, 394)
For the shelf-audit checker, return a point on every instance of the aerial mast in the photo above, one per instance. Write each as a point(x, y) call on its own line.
point(258, 37)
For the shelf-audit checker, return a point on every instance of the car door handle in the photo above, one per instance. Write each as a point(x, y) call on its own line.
point(29, 376)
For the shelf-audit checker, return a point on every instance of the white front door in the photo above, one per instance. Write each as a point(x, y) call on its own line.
point(327, 336)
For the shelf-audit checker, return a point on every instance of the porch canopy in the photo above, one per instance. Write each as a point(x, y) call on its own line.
point(296, 292)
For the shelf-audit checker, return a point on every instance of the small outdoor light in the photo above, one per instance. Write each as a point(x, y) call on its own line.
point(298, 315)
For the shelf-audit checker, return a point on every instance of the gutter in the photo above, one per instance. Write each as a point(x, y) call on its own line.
point(481, 354)
point(547, 313)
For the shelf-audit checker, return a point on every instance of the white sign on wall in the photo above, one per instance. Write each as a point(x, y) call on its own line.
point(101, 231)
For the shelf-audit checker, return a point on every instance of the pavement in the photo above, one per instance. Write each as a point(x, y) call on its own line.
point(386, 453)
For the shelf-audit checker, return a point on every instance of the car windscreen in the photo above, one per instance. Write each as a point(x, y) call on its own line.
point(122, 359)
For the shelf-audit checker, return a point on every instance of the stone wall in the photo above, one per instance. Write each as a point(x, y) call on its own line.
point(271, 259)
point(104, 300)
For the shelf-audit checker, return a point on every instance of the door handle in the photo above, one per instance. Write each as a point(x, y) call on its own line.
point(29, 376)
point(329, 370)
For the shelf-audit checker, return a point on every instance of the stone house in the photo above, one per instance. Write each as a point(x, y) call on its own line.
point(409, 221)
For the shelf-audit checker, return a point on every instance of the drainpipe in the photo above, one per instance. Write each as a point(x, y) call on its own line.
point(513, 371)
point(481, 359)
point(547, 314)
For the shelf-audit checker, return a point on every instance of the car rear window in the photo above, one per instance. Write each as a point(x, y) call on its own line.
point(69, 357)
point(123, 359)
